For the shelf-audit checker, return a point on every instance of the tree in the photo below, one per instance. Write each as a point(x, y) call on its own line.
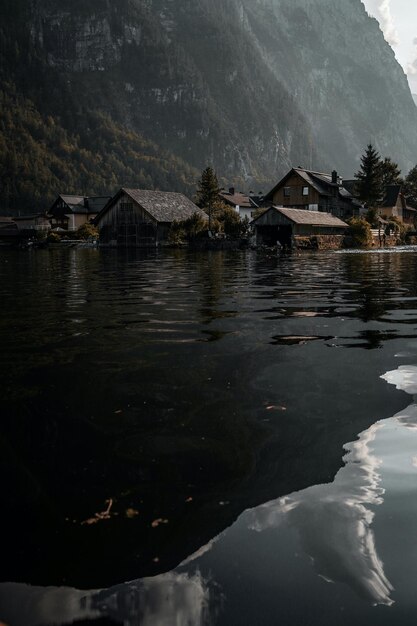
point(390, 173)
point(410, 189)
point(369, 177)
point(208, 189)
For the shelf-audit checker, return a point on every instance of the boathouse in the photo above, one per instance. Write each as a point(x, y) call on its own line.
point(297, 228)
point(142, 218)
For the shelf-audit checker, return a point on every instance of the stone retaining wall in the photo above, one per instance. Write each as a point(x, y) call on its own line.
point(319, 242)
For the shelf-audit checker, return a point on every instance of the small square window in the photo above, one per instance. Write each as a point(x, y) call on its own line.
point(305, 191)
point(287, 192)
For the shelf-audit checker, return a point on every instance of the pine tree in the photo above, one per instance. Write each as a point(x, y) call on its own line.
point(208, 189)
point(390, 173)
point(369, 177)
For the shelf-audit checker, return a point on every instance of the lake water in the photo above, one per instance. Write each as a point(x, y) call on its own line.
point(208, 439)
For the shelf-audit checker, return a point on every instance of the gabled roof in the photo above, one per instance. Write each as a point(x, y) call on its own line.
point(320, 181)
point(81, 204)
point(238, 199)
point(391, 196)
point(96, 203)
point(162, 206)
point(308, 218)
point(72, 201)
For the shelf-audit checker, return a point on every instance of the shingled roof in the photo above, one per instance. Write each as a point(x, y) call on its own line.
point(321, 182)
point(237, 199)
point(81, 204)
point(311, 218)
point(163, 206)
point(308, 218)
point(75, 203)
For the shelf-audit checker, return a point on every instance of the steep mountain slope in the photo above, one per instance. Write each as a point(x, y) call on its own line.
point(249, 86)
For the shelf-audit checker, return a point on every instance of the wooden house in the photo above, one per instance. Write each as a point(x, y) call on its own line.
point(289, 226)
point(394, 204)
point(314, 191)
point(141, 218)
point(244, 205)
point(70, 212)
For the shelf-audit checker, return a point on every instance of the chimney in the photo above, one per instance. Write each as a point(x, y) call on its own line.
point(335, 178)
point(232, 191)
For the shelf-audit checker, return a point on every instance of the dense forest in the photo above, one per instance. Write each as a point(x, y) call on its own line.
point(39, 158)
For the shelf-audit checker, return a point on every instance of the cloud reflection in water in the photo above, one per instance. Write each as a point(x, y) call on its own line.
point(168, 600)
point(334, 521)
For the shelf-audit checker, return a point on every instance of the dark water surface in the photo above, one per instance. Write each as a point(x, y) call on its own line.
point(234, 434)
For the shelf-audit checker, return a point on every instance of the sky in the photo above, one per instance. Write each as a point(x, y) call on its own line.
point(398, 19)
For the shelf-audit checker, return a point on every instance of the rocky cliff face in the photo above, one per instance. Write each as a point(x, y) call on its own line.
point(252, 86)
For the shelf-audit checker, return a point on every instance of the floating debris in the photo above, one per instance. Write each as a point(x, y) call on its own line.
point(158, 522)
point(99, 517)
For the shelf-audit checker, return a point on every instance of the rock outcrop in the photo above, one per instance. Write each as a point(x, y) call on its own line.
point(249, 86)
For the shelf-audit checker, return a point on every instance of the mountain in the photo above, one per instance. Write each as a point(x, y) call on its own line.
point(415, 97)
point(95, 94)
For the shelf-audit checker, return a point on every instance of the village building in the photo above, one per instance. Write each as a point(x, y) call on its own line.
point(29, 225)
point(141, 218)
point(394, 204)
point(314, 191)
point(298, 228)
point(244, 205)
point(70, 212)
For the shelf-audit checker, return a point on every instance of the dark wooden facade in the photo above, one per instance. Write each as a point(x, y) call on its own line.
point(284, 225)
point(143, 219)
point(129, 225)
point(313, 191)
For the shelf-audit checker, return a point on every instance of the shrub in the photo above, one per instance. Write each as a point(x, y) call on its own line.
point(190, 228)
point(230, 223)
point(53, 238)
point(360, 233)
point(87, 231)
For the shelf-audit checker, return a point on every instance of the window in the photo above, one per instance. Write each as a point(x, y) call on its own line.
point(287, 192)
point(305, 191)
point(126, 207)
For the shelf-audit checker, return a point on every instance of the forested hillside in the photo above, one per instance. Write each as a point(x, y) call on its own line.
point(97, 94)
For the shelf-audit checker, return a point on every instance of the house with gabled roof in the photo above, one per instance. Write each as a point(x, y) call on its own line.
point(314, 191)
point(70, 212)
point(142, 218)
point(243, 204)
point(395, 204)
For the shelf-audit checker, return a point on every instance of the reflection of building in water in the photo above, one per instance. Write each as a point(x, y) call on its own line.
point(161, 601)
